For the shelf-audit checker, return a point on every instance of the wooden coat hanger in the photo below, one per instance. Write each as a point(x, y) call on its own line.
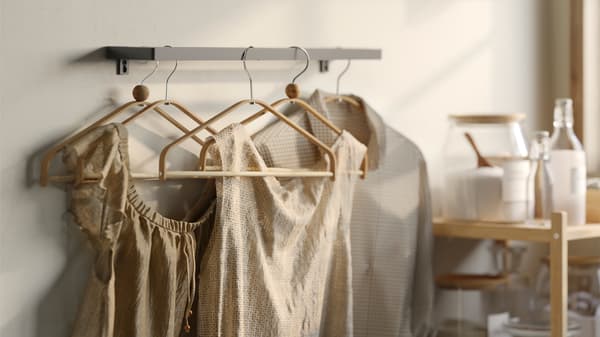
point(266, 108)
point(140, 94)
point(337, 97)
point(178, 105)
point(292, 91)
point(295, 100)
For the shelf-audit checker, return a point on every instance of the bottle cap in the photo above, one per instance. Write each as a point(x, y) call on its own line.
point(564, 101)
point(540, 145)
point(563, 111)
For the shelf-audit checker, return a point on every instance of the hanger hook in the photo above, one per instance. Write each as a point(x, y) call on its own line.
point(337, 85)
point(151, 73)
point(305, 66)
point(168, 78)
point(248, 73)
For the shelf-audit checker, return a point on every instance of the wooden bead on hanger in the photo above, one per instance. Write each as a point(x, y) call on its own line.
point(140, 93)
point(292, 90)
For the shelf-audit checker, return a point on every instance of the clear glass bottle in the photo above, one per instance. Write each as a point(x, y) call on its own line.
point(516, 294)
point(539, 183)
point(567, 165)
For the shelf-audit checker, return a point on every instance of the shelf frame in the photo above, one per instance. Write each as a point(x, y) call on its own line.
point(557, 235)
point(122, 54)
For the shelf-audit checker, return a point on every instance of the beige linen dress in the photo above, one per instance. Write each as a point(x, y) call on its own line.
point(278, 260)
point(143, 280)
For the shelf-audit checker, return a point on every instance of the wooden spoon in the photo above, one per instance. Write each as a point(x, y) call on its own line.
point(481, 161)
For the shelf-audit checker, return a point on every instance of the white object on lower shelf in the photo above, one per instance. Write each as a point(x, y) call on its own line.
point(496, 323)
point(590, 325)
point(517, 329)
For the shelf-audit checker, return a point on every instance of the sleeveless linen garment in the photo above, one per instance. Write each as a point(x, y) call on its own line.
point(391, 215)
point(143, 280)
point(278, 259)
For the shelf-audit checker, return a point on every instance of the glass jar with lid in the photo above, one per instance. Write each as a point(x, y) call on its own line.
point(464, 301)
point(583, 284)
point(486, 169)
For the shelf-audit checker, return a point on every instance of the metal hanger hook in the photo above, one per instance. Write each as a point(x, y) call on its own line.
point(244, 54)
point(151, 73)
point(305, 66)
point(337, 85)
point(168, 78)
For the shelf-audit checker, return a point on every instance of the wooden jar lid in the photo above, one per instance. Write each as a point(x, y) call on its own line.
point(579, 260)
point(470, 281)
point(488, 119)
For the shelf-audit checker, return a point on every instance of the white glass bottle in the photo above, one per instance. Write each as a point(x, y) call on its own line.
point(567, 165)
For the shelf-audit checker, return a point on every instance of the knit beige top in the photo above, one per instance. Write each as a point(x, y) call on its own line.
point(278, 260)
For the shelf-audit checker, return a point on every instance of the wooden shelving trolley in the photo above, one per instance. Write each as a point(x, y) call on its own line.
point(557, 235)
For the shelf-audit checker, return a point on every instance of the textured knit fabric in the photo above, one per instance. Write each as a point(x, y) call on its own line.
point(143, 280)
point(391, 221)
point(278, 259)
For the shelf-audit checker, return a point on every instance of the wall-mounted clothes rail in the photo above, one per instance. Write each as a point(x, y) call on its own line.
point(123, 54)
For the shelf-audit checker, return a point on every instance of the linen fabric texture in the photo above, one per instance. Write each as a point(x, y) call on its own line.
point(390, 226)
point(143, 279)
point(278, 259)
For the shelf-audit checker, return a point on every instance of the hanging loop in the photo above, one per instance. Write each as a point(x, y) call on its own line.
point(244, 54)
point(141, 92)
point(305, 66)
point(337, 85)
point(292, 90)
point(151, 73)
point(168, 78)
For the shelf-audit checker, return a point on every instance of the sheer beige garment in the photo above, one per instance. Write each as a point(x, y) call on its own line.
point(390, 229)
point(278, 260)
point(143, 280)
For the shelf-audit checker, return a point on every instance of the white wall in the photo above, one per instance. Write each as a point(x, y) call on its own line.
point(440, 57)
point(591, 80)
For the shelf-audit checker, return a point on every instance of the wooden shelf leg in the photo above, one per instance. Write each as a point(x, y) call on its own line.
point(558, 275)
